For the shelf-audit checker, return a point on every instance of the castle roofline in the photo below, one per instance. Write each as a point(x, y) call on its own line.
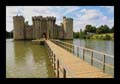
point(20, 17)
point(66, 18)
point(43, 18)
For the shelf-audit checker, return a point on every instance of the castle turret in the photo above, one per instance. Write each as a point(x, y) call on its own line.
point(36, 27)
point(50, 27)
point(18, 24)
point(68, 28)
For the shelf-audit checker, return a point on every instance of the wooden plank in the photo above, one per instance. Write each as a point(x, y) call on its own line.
point(74, 66)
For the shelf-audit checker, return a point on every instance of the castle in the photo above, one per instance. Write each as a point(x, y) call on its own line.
point(42, 27)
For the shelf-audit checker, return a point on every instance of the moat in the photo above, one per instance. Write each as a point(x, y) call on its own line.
point(25, 60)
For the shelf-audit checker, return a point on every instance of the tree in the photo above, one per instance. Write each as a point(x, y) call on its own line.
point(106, 29)
point(103, 29)
point(82, 34)
point(76, 34)
point(9, 34)
point(112, 30)
point(93, 29)
point(90, 28)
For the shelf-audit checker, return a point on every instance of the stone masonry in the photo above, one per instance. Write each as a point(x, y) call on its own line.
point(42, 27)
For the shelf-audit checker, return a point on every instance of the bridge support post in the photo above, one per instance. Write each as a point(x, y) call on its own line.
point(104, 63)
point(64, 73)
point(54, 62)
point(73, 50)
point(52, 57)
point(78, 51)
point(92, 58)
point(57, 68)
point(50, 53)
point(83, 54)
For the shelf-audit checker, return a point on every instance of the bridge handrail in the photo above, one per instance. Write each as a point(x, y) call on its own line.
point(66, 67)
point(66, 45)
point(86, 48)
point(63, 65)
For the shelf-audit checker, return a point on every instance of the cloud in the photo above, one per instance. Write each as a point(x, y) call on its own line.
point(90, 14)
point(70, 9)
point(81, 15)
point(93, 17)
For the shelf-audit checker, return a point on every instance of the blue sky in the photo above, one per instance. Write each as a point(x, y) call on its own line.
point(82, 15)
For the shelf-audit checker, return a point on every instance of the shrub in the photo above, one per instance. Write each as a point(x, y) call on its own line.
point(107, 37)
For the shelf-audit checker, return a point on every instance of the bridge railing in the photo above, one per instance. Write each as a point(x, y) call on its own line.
point(95, 58)
point(61, 70)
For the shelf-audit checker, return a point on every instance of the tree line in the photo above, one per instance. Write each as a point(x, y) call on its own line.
point(89, 30)
point(9, 34)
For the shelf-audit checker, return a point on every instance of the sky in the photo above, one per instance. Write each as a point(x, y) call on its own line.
point(82, 15)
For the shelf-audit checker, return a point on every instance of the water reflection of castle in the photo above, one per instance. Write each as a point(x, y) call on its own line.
point(42, 27)
point(25, 51)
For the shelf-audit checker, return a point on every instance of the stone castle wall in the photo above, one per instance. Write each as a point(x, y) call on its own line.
point(18, 27)
point(61, 32)
point(68, 28)
point(42, 25)
point(56, 31)
point(28, 31)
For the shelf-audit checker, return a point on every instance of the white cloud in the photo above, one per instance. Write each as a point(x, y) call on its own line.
point(90, 14)
point(70, 9)
point(93, 17)
point(82, 16)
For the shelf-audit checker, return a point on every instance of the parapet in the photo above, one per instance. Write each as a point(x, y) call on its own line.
point(19, 17)
point(67, 19)
point(51, 18)
point(37, 18)
point(43, 18)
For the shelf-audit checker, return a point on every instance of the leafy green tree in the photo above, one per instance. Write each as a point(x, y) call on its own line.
point(76, 34)
point(93, 29)
point(82, 34)
point(90, 28)
point(9, 34)
point(103, 29)
point(112, 29)
point(106, 29)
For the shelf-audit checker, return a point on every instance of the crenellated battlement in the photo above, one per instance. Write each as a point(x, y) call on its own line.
point(37, 18)
point(67, 19)
point(18, 17)
point(43, 18)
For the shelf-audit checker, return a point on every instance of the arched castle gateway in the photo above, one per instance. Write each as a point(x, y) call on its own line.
point(42, 27)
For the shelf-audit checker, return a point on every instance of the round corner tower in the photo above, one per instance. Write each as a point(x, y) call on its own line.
point(18, 24)
point(68, 28)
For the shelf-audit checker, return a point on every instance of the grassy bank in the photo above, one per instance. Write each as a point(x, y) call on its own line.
point(108, 36)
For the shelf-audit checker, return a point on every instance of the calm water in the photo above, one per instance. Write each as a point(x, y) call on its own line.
point(98, 45)
point(25, 60)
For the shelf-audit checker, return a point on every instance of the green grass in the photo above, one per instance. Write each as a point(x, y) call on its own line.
point(108, 36)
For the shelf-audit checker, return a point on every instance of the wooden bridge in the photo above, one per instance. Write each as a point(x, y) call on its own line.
point(67, 65)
